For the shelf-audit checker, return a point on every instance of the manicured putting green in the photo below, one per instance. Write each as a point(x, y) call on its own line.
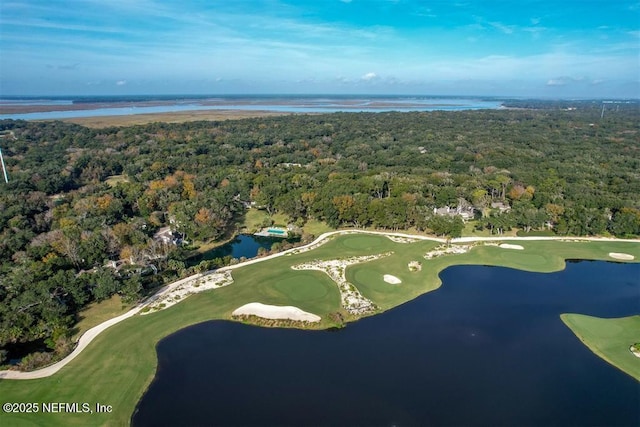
point(364, 242)
point(304, 286)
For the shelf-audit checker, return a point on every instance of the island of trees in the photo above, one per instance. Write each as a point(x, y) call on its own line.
point(81, 215)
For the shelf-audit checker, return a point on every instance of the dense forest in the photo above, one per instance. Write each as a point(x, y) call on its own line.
point(82, 206)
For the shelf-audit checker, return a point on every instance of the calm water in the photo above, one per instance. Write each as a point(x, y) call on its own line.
point(243, 245)
point(287, 104)
point(487, 348)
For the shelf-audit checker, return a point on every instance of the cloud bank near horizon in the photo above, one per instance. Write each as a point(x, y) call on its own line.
point(540, 48)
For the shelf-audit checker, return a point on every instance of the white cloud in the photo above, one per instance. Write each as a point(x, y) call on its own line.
point(556, 82)
point(121, 82)
point(507, 29)
point(564, 80)
point(369, 76)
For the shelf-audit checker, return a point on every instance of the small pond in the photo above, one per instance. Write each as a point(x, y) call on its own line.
point(244, 245)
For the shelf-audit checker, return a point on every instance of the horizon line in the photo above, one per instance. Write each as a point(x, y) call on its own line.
point(275, 94)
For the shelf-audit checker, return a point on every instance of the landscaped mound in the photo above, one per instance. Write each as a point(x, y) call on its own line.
point(186, 287)
point(275, 312)
point(415, 266)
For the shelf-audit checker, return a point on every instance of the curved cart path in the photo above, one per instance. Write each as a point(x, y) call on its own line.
point(90, 335)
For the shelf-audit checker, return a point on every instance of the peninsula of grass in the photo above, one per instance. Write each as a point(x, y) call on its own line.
point(610, 339)
point(118, 366)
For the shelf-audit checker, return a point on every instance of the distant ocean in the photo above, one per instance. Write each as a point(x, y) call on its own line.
point(27, 108)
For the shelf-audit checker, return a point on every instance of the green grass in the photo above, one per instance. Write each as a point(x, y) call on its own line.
point(97, 313)
point(254, 218)
point(316, 227)
point(469, 230)
point(119, 365)
point(610, 339)
point(303, 286)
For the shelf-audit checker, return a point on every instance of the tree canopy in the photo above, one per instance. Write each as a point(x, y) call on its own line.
point(79, 215)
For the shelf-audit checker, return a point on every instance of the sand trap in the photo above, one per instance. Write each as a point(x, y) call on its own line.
point(618, 255)
point(275, 312)
point(391, 279)
point(510, 246)
point(635, 352)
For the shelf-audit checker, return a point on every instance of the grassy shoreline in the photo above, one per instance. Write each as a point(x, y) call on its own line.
point(118, 366)
point(609, 339)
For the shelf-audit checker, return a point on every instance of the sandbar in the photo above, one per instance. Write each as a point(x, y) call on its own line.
point(275, 312)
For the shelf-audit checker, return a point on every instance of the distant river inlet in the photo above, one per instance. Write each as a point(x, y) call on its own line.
point(487, 348)
point(51, 109)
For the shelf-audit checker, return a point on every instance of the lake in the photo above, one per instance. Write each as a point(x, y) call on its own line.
point(486, 349)
point(289, 104)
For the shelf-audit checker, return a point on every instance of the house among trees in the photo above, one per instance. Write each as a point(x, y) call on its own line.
point(168, 237)
point(500, 206)
point(466, 212)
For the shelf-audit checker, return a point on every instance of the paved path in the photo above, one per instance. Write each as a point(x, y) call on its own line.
point(90, 335)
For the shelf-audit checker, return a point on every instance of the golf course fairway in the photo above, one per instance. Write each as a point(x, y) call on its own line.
point(118, 365)
point(610, 339)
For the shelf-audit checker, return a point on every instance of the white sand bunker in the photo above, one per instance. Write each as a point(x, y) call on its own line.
point(510, 246)
point(275, 312)
point(618, 255)
point(634, 350)
point(391, 279)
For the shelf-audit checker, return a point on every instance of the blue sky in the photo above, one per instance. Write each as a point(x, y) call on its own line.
point(540, 48)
